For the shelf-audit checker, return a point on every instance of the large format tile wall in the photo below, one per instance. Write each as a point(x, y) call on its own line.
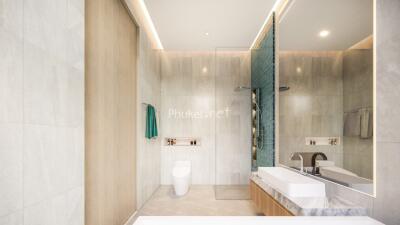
point(42, 112)
point(313, 106)
point(386, 205)
point(148, 91)
point(191, 103)
point(185, 89)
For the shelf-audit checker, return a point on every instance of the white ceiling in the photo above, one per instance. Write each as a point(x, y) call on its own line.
point(349, 21)
point(183, 24)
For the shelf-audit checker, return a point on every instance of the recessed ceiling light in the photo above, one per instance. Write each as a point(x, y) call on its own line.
point(324, 33)
point(207, 34)
point(204, 70)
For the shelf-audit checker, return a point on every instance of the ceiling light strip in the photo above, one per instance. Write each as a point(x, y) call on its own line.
point(151, 24)
point(285, 9)
point(278, 4)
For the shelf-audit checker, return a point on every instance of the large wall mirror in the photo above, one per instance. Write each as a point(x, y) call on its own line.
point(326, 93)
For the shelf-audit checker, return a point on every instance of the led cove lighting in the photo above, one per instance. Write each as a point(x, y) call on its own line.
point(324, 33)
point(277, 3)
point(152, 28)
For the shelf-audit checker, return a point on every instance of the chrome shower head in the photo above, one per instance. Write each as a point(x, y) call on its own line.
point(284, 88)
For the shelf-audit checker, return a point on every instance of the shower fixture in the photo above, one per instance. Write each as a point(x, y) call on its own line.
point(258, 128)
point(242, 88)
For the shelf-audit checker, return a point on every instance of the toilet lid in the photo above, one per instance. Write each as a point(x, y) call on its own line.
point(181, 171)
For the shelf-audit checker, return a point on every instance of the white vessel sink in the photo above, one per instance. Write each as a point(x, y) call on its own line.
point(291, 183)
point(351, 179)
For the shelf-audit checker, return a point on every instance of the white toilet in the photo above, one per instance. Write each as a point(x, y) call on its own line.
point(181, 175)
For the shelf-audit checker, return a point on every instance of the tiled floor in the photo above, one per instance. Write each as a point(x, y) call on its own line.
point(200, 201)
point(232, 192)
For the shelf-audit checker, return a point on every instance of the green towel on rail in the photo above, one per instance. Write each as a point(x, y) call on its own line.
point(151, 122)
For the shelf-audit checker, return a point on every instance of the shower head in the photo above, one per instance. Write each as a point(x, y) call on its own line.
point(284, 88)
point(241, 88)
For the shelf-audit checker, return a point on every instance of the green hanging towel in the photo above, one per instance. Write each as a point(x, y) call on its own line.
point(151, 122)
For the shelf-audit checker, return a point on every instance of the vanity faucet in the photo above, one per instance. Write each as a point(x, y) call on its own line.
point(315, 170)
point(298, 156)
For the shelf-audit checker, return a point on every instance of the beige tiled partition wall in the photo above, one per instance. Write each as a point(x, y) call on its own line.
point(41, 112)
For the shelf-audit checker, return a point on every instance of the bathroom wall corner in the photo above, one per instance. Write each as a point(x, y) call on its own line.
point(148, 92)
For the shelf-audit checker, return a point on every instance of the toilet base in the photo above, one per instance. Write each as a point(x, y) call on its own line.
point(181, 186)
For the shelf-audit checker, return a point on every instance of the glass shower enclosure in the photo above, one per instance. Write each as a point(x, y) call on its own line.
point(232, 123)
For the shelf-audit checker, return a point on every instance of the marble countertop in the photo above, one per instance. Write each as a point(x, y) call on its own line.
point(311, 206)
point(254, 220)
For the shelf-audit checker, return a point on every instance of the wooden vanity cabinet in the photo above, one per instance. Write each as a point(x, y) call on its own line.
point(265, 203)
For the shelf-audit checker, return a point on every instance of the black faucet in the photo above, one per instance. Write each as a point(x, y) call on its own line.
point(313, 159)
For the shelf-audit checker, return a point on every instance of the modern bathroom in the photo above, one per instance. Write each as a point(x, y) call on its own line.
point(180, 112)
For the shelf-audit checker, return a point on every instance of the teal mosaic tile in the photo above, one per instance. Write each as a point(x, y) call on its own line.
point(263, 78)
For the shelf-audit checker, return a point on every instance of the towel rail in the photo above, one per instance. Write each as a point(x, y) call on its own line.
point(358, 109)
point(146, 104)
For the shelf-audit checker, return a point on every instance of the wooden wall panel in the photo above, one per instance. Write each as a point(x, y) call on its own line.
point(110, 113)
